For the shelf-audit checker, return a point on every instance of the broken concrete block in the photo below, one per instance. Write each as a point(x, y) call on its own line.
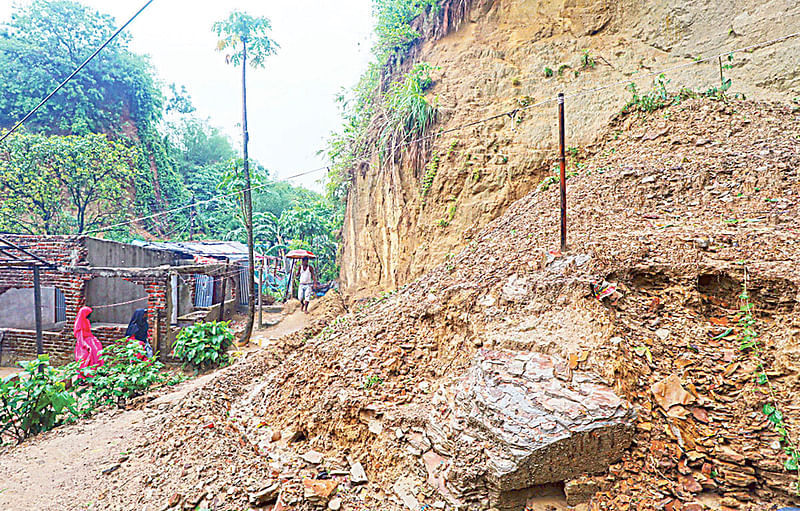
point(535, 428)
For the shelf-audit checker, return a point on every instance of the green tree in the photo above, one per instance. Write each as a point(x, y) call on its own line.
point(63, 184)
point(43, 42)
point(243, 34)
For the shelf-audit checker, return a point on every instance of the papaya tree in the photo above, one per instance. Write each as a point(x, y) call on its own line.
point(246, 37)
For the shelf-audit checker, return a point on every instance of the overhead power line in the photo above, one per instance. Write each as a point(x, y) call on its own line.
point(72, 75)
point(199, 203)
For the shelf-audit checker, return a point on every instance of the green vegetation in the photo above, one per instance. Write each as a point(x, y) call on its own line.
point(35, 401)
point(659, 97)
point(430, 173)
point(204, 345)
point(63, 184)
point(548, 73)
point(43, 42)
point(393, 27)
point(38, 399)
point(124, 375)
point(115, 94)
point(749, 342)
point(587, 60)
point(406, 112)
point(372, 381)
point(384, 114)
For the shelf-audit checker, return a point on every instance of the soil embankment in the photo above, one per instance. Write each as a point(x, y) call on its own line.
point(510, 54)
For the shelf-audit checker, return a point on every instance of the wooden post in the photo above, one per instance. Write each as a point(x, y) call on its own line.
point(37, 305)
point(157, 334)
point(260, 292)
point(289, 282)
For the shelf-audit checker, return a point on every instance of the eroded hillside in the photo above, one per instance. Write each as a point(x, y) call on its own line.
point(368, 411)
point(510, 54)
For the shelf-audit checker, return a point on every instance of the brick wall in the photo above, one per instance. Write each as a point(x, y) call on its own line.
point(21, 345)
point(68, 251)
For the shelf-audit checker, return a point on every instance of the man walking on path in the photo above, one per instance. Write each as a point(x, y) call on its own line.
point(308, 279)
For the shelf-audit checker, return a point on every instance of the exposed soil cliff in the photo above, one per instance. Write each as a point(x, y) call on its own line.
point(499, 59)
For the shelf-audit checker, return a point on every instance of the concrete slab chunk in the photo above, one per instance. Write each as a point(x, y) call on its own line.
point(535, 428)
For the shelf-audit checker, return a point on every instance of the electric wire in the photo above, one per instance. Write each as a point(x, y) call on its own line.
point(72, 75)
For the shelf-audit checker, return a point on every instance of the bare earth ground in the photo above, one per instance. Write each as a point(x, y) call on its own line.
point(42, 471)
point(8, 371)
point(70, 460)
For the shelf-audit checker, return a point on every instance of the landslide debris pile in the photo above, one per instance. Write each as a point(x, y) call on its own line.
point(669, 210)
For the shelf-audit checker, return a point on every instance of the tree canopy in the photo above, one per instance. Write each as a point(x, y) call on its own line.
point(43, 43)
point(62, 184)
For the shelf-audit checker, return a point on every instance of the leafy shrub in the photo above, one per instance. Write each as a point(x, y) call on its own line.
point(659, 97)
point(34, 401)
point(407, 111)
point(587, 60)
point(372, 381)
point(430, 173)
point(204, 345)
point(124, 375)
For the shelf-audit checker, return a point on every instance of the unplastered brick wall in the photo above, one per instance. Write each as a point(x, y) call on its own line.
point(21, 345)
point(66, 252)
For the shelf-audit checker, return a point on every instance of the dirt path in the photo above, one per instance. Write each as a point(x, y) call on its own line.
point(8, 371)
point(70, 460)
point(287, 324)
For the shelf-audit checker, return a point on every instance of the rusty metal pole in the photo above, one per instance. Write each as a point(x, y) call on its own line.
point(562, 159)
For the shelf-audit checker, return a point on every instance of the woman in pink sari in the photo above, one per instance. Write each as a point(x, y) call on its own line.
point(87, 347)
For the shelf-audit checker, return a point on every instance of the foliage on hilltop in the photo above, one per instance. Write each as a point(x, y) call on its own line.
point(387, 109)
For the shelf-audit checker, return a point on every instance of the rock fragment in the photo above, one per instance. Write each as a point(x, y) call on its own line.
point(357, 474)
point(313, 457)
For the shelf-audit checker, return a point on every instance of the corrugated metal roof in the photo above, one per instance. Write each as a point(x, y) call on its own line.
point(216, 249)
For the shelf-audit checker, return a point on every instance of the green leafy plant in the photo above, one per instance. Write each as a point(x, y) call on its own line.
point(548, 72)
point(749, 342)
point(407, 112)
point(562, 68)
point(657, 97)
point(372, 381)
point(430, 173)
point(34, 401)
point(204, 345)
point(124, 375)
point(587, 61)
point(451, 149)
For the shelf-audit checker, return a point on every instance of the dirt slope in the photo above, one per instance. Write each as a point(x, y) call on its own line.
point(668, 207)
point(495, 62)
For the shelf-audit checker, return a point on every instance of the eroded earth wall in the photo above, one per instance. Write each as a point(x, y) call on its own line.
point(500, 59)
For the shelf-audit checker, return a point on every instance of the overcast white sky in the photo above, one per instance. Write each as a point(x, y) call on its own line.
point(324, 47)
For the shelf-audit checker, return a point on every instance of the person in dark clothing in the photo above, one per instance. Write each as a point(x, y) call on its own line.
point(137, 329)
